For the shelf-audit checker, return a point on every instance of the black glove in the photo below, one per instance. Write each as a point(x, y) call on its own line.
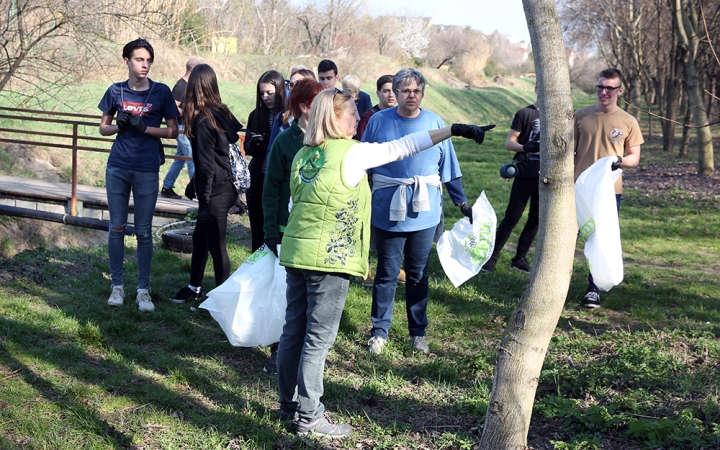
point(122, 120)
point(190, 190)
point(204, 216)
point(466, 209)
point(531, 147)
point(473, 132)
point(136, 120)
point(616, 164)
point(272, 245)
point(257, 145)
point(238, 208)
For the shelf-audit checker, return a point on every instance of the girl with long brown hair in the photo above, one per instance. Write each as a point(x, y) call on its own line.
point(270, 101)
point(212, 130)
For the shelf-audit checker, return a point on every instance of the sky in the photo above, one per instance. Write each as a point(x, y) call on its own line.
point(505, 16)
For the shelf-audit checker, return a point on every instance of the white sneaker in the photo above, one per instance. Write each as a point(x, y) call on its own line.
point(144, 301)
point(117, 296)
point(376, 344)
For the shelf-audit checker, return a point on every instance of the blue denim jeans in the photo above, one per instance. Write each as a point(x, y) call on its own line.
point(391, 246)
point(183, 149)
point(591, 284)
point(315, 302)
point(118, 184)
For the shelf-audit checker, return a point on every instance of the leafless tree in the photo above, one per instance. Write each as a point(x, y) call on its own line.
point(325, 20)
point(46, 45)
point(385, 30)
point(689, 32)
point(273, 17)
point(506, 57)
point(450, 42)
point(525, 342)
point(617, 28)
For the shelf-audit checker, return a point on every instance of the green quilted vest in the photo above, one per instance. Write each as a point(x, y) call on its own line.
point(329, 226)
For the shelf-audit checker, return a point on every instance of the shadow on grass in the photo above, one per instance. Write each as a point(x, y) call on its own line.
point(126, 353)
point(96, 425)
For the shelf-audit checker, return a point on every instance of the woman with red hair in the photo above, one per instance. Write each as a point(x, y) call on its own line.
point(276, 189)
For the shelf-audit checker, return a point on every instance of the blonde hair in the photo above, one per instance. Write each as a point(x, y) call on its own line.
point(352, 84)
point(323, 121)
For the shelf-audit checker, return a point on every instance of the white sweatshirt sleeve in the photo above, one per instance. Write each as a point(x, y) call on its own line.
point(366, 155)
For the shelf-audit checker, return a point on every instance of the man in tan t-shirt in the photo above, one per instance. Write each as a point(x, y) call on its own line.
point(601, 130)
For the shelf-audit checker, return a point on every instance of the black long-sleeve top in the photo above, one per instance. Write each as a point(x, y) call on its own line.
point(259, 150)
point(210, 151)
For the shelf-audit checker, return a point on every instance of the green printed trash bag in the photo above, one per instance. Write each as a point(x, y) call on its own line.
point(250, 305)
point(465, 248)
point(597, 217)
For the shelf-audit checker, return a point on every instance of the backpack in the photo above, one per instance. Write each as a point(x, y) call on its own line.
point(239, 169)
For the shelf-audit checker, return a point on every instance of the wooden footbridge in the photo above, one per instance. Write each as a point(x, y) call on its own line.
point(57, 200)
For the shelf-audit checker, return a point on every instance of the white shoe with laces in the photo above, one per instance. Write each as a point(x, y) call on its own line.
point(144, 301)
point(117, 297)
point(376, 344)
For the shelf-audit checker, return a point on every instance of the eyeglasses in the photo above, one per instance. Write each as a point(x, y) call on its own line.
point(339, 91)
point(608, 89)
point(407, 92)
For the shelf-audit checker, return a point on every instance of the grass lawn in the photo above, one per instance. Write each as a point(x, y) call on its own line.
point(639, 373)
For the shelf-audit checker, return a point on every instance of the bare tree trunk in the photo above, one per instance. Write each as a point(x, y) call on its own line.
point(685, 143)
point(710, 96)
point(526, 339)
point(671, 94)
point(687, 30)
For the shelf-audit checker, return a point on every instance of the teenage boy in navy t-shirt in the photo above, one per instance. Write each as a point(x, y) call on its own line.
point(135, 157)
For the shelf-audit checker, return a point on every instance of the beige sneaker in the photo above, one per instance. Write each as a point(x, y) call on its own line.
point(144, 301)
point(117, 297)
point(376, 344)
point(401, 277)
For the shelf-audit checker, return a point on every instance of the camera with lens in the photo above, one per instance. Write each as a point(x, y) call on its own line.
point(509, 170)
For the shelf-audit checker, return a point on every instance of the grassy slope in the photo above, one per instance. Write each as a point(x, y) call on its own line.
point(639, 373)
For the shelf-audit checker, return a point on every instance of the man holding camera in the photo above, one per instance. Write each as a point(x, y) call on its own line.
point(524, 139)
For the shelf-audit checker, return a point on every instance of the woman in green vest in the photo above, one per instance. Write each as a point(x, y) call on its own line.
point(326, 241)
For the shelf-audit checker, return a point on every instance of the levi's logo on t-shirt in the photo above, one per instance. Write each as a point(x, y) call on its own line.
point(138, 108)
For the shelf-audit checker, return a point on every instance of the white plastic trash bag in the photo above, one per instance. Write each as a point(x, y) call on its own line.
point(250, 305)
point(597, 217)
point(467, 247)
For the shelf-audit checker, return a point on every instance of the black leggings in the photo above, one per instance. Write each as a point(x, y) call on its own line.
point(523, 189)
point(255, 208)
point(209, 237)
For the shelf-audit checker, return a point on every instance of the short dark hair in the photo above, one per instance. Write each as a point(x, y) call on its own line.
point(326, 65)
point(131, 46)
point(383, 80)
point(612, 73)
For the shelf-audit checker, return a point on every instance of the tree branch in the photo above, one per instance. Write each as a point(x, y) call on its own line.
point(665, 118)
